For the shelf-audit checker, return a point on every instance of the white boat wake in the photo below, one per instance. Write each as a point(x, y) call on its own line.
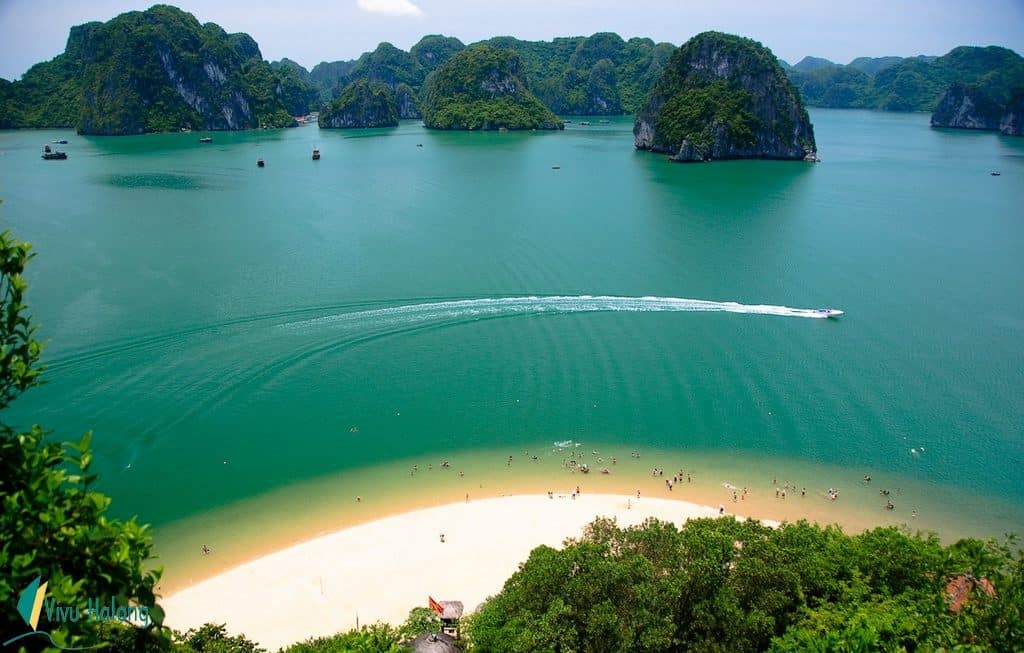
point(504, 306)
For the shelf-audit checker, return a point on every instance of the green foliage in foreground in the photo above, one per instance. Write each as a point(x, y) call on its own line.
point(483, 88)
point(54, 524)
point(724, 585)
point(213, 638)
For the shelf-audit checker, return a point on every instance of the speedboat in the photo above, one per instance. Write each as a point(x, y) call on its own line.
point(829, 312)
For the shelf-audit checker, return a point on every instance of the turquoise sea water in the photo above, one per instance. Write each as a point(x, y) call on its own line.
point(228, 331)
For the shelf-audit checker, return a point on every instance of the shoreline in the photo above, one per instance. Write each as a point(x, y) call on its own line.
point(381, 569)
point(243, 531)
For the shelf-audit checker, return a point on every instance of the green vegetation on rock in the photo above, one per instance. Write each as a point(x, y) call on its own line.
point(483, 87)
point(294, 88)
point(156, 70)
point(909, 84)
point(362, 104)
point(723, 97)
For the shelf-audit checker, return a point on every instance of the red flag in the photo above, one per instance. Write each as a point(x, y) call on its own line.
point(435, 606)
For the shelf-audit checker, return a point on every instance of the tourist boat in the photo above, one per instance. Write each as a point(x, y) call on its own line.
point(53, 155)
point(995, 173)
point(61, 142)
point(830, 312)
point(316, 154)
point(585, 123)
point(556, 167)
point(259, 163)
point(205, 139)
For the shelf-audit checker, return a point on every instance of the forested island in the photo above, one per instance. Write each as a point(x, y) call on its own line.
point(724, 97)
point(483, 87)
point(162, 70)
point(969, 87)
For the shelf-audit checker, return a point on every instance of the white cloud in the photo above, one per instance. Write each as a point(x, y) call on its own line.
point(390, 7)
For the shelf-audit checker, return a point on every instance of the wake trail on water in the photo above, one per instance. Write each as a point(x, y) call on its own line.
point(558, 304)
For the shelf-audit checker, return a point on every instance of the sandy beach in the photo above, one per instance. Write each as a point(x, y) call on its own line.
point(382, 569)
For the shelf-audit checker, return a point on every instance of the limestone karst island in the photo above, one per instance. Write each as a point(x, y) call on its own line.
point(391, 326)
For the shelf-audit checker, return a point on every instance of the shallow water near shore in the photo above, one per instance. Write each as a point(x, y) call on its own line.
point(254, 347)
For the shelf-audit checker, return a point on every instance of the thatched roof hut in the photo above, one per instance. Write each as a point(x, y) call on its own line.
point(452, 610)
point(433, 643)
point(959, 589)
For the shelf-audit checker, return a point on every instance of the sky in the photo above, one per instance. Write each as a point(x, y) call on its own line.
point(310, 31)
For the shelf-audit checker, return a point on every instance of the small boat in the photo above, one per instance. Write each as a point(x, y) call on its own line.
point(419, 144)
point(995, 173)
point(316, 154)
point(829, 312)
point(53, 155)
point(603, 122)
point(259, 163)
point(585, 123)
point(556, 167)
point(63, 141)
point(205, 139)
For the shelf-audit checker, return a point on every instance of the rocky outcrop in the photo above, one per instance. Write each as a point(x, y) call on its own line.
point(147, 71)
point(483, 88)
point(408, 105)
point(724, 97)
point(1012, 122)
point(361, 104)
point(966, 107)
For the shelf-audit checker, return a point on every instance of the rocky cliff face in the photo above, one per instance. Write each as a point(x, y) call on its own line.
point(965, 106)
point(1012, 122)
point(724, 97)
point(154, 70)
point(361, 104)
point(408, 105)
point(161, 70)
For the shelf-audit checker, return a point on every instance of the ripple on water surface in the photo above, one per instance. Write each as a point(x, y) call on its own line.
point(154, 180)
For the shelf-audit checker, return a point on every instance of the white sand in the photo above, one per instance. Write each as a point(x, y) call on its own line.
point(382, 569)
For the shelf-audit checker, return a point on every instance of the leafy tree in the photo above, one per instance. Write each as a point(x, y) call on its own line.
point(54, 523)
point(725, 585)
point(375, 638)
point(420, 622)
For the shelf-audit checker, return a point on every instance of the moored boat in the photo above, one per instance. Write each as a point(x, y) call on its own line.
point(259, 163)
point(53, 155)
point(316, 154)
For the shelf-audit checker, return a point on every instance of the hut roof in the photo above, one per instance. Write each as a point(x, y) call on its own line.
point(433, 643)
point(959, 589)
point(452, 610)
